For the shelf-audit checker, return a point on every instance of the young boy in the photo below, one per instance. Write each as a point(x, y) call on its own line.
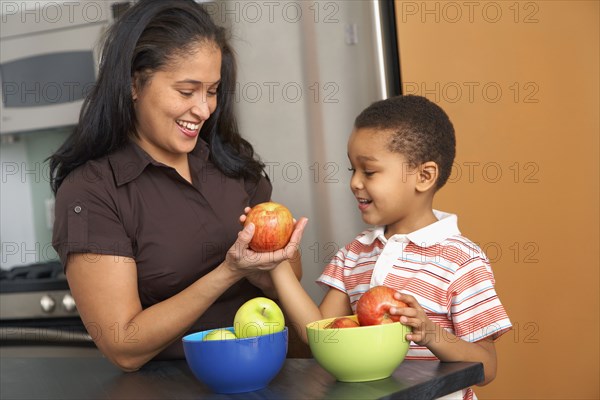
point(401, 152)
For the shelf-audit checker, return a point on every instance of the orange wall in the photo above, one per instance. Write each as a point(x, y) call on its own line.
point(520, 82)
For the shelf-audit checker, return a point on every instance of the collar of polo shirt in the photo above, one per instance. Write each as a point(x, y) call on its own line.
point(445, 227)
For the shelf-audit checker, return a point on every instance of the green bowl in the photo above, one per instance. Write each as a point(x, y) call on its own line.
point(364, 353)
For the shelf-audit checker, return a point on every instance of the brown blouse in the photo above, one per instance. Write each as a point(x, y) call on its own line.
point(127, 204)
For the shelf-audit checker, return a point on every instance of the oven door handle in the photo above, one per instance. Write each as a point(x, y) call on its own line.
point(43, 335)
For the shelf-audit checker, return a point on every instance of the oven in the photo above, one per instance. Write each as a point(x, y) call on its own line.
point(38, 315)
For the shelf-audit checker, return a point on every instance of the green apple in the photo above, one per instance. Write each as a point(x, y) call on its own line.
point(220, 334)
point(258, 316)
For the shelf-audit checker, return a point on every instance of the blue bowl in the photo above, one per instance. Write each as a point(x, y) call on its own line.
point(236, 365)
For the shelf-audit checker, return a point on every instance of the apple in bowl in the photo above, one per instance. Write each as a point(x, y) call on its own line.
point(373, 307)
point(258, 316)
point(342, 322)
point(219, 334)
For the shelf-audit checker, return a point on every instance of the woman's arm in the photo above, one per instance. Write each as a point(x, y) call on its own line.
point(105, 291)
point(106, 294)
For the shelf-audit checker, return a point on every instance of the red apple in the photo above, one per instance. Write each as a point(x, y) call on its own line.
point(273, 224)
point(342, 322)
point(373, 308)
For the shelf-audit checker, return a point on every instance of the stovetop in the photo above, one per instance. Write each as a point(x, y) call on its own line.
point(35, 291)
point(36, 306)
point(47, 276)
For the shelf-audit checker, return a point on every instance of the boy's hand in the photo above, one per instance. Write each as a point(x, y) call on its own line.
point(263, 281)
point(414, 316)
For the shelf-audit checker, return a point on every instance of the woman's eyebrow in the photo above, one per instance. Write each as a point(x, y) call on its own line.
point(196, 82)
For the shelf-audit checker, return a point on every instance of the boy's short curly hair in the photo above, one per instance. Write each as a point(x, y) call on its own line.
point(421, 131)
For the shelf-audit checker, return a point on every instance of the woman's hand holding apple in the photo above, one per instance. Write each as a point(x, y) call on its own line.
point(242, 259)
point(423, 329)
point(273, 223)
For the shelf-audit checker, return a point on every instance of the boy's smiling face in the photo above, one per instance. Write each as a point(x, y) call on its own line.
point(384, 183)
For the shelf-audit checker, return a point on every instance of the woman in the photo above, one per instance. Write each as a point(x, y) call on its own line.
point(150, 186)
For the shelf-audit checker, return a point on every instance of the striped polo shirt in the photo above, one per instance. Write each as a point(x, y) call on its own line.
point(448, 275)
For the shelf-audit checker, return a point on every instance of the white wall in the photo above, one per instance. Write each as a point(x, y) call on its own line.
point(300, 87)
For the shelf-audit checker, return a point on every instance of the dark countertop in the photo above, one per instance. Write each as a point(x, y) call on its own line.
point(97, 378)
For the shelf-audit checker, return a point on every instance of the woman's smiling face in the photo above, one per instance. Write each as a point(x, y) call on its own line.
point(175, 101)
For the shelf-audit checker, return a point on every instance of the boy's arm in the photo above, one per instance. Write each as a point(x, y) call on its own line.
point(299, 306)
point(445, 345)
point(448, 347)
point(264, 281)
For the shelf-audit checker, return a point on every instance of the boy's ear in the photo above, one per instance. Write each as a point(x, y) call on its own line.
point(428, 174)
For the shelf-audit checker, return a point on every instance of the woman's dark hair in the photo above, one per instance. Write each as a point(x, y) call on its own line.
point(142, 41)
point(420, 130)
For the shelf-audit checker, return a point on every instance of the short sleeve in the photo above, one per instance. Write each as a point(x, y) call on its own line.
point(333, 273)
point(87, 218)
point(351, 268)
point(475, 307)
